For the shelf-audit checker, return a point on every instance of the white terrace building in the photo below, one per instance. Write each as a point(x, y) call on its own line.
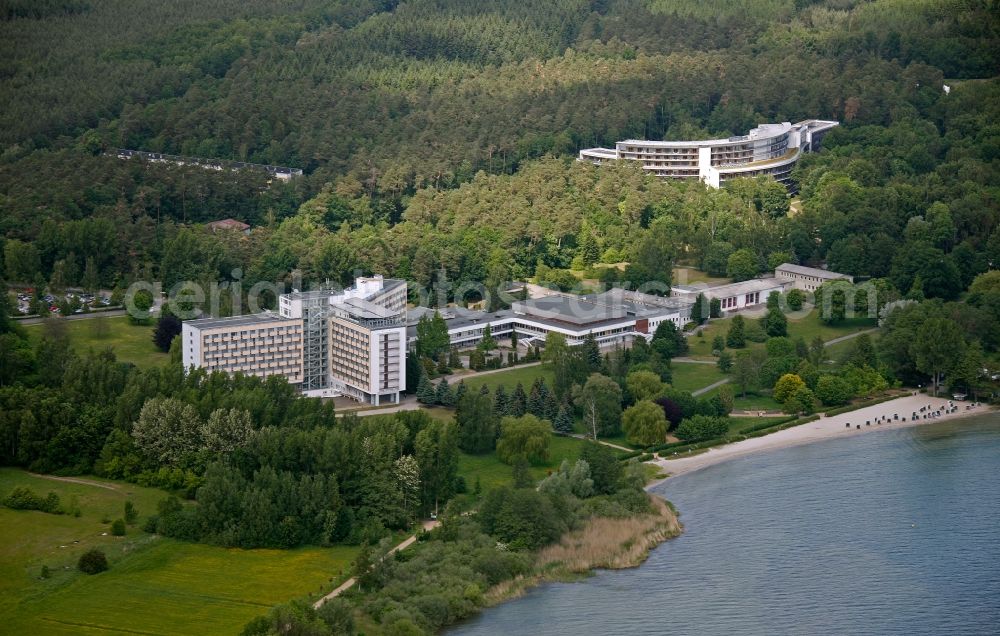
point(735, 296)
point(615, 316)
point(807, 278)
point(768, 149)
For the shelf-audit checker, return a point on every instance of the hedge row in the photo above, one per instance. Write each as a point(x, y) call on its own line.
point(627, 456)
point(774, 428)
point(860, 405)
point(765, 425)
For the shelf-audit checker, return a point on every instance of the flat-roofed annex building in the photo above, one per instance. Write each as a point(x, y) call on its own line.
point(768, 149)
point(262, 345)
point(615, 316)
point(807, 278)
point(735, 296)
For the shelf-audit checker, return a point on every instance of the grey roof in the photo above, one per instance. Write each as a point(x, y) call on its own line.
point(361, 308)
point(454, 317)
point(565, 311)
point(388, 284)
point(809, 271)
point(238, 321)
point(734, 289)
point(576, 310)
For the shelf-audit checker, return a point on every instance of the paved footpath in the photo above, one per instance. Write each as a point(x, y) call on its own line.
point(349, 583)
point(601, 441)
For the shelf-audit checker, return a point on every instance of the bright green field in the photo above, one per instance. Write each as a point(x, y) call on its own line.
point(131, 343)
point(155, 585)
point(808, 328)
point(492, 472)
point(691, 376)
point(510, 377)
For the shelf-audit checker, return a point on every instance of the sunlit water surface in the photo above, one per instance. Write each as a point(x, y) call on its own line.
point(892, 532)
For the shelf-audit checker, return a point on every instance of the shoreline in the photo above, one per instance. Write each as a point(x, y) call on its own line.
point(825, 428)
point(603, 543)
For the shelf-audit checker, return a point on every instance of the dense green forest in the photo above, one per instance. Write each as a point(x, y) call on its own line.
point(438, 140)
point(434, 134)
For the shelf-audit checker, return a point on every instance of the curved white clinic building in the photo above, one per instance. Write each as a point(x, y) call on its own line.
point(771, 149)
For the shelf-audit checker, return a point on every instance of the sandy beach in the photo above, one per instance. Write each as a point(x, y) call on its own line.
point(827, 428)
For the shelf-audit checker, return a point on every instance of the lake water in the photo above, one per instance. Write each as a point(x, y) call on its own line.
point(891, 532)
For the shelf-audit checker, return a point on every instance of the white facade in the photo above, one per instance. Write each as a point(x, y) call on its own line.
point(768, 149)
point(330, 342)
point(807, 278)
point(262, 345)
point(611, 317)
point(735, 296)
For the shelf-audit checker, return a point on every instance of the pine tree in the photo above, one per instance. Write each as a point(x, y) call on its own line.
point(591, 352)
point(454, 361)
point(460, 390)
point(518, 401)
point(550, 407)
point(715, 308)
point(443, 394)
point(535, 405)
point(639, 352)
point(736, 337)
point(501, 403)
point(700, 309)
point(564, 421)
point(589, 250)
point(425, 391)
point(718, 343)
point(488, 343)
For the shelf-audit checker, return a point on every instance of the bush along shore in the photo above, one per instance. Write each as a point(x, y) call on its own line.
point(594, 513)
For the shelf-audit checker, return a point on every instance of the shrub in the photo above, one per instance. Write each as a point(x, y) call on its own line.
point(152, 522)
point(338, 615)
point(92, 561)
point(118, 528)
point(833, 391)
point(702, 427)
point(786, 386)
point(131, 514)
point(22, 498)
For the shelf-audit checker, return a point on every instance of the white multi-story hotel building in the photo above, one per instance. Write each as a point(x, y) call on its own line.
point(262, 344)
point(768, 149)
point(330, 343)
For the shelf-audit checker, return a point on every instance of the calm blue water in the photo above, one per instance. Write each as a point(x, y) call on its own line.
point(892, 532)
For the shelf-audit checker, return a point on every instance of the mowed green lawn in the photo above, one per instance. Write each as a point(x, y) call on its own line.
point(510, 377)
point(491, 472)
point(691, 376)
point(131, 343)
point(155, 585)
point(807, 328)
